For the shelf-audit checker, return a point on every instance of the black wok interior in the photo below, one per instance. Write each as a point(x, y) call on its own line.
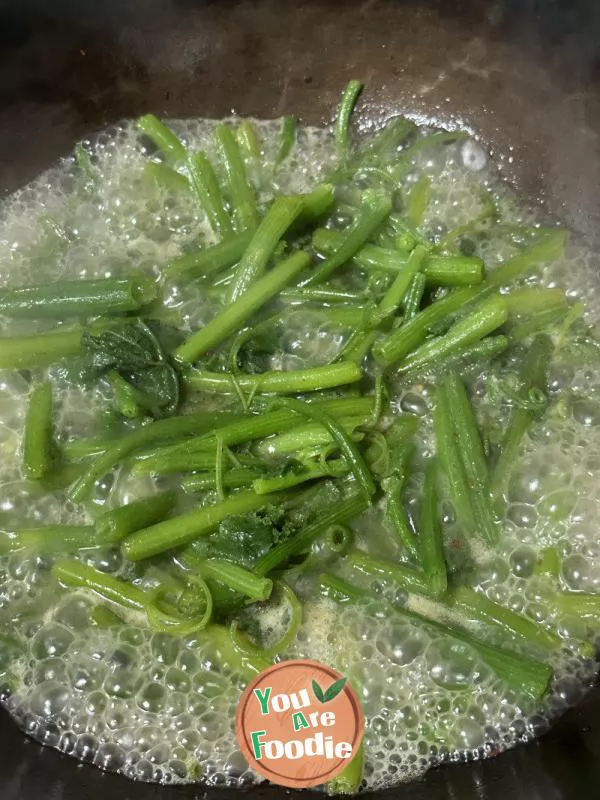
point(525, 74)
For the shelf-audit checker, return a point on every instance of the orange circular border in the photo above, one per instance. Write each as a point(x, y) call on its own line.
point(243, 739)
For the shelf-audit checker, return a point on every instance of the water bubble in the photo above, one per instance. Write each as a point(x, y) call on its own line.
point(523, 516)
point(152, 697)
point(123, 682)
point(473, 156)
point(576, 572)
point(52, 640)
point(587, 412)
point(452, 665)
point(73, 613)
point(407, 643)
point(523, 561)
point(558, 505)
point(49, 699)
point(413, 403)
point(110, 757)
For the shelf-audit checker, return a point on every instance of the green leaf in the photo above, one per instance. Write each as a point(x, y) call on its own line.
point(318, 692)
point(157, 388)
point(135, 351)
point(130, 346)
point(334, 690)
point(242, 539)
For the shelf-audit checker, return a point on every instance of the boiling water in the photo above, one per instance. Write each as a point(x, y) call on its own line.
point(157, 708)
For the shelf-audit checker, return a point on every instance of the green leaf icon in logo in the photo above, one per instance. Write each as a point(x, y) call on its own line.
point(318, 692)
point(329, 694)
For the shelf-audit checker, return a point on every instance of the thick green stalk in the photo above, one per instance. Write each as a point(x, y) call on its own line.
point(373, 212)
point(534, 377)
point(349, 779)
point(105, 618)
point(49, 539)
point(339, 539)
point(167, 177)
point(402, 341)
point(356, 462)
point(540, 322)
point(476, 606)
point(322, 294)
point(281, 215)
point(579, 604)
point(305, 437)
point(550, 248)
point(358, 345)
point(77, 575)
point(453, 270)
point(160, 430)
point(205, 186)
point(454, 395)
point(210, 259)
point(163, 137)
point(403, 165)
point(521, 673)
point(418, 200)
point(397, 291)
point(451, 464)
point(232, 479)
point(484, 319)
point(234, 315)
point(117, 523)
point(258, 426)
point(414, 296)
point(402, 448)
point(291, 479)
point(337, 513)
point(534, 299)
point(176, 532)
point(439, 270)
point(293, 382)
point(61, 477)
point(431, 541)
point(247, 661)
point(315, 205)
point(289, 126)
point(409, 579)
point(249, 143)
point(398, 518)
point(241, 193)
point(344, 115)
point(462, 459)
point(480, 352)
point(37, 438)
point(379, 148)
point(398, 344)
point(255, 587)
point(125, 396)
point(81, 449)
point(84, 298)
point(24, 352)
point(183, 457)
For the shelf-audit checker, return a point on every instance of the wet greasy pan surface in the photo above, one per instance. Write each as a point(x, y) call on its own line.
point(524, 73)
